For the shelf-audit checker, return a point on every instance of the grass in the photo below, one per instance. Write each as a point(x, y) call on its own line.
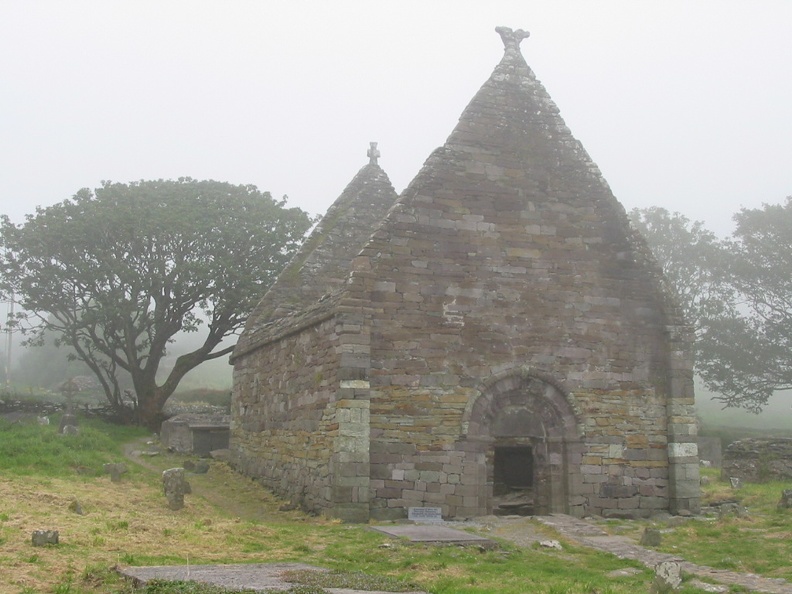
point(30, 449)
point(230, 519)
point(757, 542)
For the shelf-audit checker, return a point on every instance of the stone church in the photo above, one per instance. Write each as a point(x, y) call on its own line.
point(496, 338)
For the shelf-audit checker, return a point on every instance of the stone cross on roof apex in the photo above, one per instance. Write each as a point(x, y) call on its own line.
point(511, 39)
point(373, 154)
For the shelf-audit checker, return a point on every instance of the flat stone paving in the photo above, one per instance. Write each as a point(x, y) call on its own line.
point(256, 576)
point(253, 576)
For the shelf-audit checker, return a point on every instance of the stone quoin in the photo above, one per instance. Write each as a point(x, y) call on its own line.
point(495, 338)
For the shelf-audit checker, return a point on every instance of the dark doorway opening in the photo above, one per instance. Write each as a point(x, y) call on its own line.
point(513, 480)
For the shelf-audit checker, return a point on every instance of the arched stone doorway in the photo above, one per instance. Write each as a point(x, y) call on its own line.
point(526, 427)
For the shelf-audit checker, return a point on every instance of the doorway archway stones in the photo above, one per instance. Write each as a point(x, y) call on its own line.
point(526, 410)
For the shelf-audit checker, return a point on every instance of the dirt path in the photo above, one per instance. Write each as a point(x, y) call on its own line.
point(233, 494)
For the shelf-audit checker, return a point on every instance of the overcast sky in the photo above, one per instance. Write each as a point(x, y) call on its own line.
point(682, 104)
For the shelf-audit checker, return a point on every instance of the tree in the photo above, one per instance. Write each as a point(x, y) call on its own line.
point(116, 273)
point(745, 348)
point(687, 253)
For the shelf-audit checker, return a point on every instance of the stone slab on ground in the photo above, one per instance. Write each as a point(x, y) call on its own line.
point(252, 576)
point(256, 576)
point(432, 533)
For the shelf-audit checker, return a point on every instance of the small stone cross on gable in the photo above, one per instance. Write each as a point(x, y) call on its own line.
point(373, 154)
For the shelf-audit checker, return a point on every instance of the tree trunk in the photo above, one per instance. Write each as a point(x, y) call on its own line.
point(150, 404)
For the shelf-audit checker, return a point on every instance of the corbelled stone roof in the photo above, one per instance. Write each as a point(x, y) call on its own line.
point(303, 290)
point(510, 154)
point(511, 149)
point(511, 209)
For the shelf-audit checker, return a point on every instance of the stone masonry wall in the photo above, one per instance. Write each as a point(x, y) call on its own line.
point(284, 423)
point(509, 252)
point(624, 468)
point(322, 264)
point(519, 283)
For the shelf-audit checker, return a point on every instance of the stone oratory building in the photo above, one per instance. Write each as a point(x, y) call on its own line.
point(495, 338)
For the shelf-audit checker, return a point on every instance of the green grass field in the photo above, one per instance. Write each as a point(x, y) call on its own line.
point(127, 523)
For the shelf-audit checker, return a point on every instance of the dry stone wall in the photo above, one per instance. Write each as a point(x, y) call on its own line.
point(758, 460)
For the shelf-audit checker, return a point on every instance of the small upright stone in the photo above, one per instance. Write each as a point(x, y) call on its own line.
point(201, 467)
point(786, 499)
point(68, 420)
point(175, 487)
point(76, 508)
point(736, 482)
point(651, 537)
point(115, 471)
point(45, 537)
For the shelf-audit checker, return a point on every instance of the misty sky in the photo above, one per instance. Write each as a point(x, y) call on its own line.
point(682, 104)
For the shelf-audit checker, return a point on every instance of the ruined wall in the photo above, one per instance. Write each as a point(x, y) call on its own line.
point(758, 460)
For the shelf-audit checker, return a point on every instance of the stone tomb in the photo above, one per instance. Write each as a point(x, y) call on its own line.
point(495, 335)
point(195, 433)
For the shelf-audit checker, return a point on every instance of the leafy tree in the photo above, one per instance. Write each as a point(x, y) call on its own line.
point(745, 348)
point(116, 273)
point(688, 254)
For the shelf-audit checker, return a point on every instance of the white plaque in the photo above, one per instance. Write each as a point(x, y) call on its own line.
point(425, 514)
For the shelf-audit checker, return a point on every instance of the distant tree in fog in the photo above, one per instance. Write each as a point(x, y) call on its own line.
point(686, 251)
point(737, 293)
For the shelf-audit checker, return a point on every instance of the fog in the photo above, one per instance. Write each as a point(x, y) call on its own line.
point(682, 104)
